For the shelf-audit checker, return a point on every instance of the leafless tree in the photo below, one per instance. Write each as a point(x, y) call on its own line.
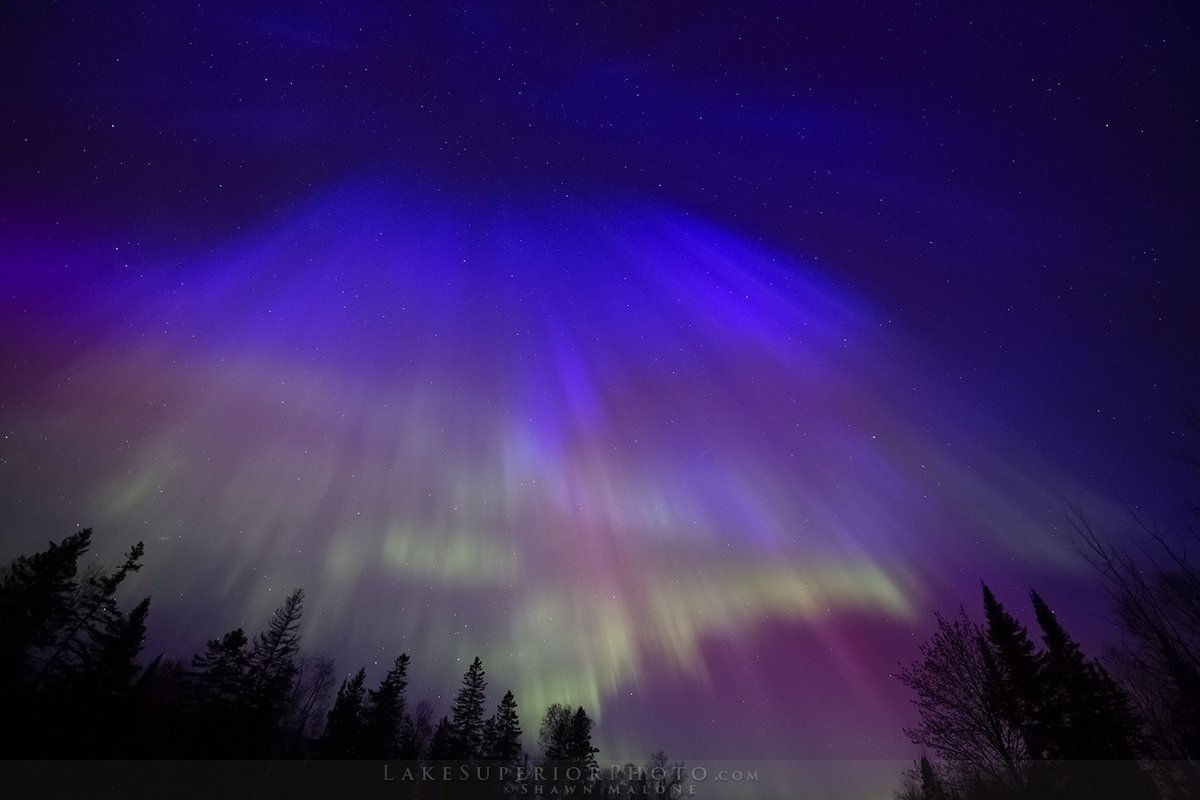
point(1153, 584)
point(960, 721)
point(309, 701)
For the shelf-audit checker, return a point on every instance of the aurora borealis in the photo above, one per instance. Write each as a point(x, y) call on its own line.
point(678, 383)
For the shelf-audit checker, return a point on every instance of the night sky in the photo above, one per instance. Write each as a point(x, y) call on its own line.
point(680, 360)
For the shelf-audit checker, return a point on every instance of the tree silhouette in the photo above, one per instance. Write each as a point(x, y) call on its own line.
point(240, 692)
point(1154, 590)
point(663, 779)
point(309, 704)
point(111, 670)
point(272, 658)
point(1095, 721)
point(467, 713)
point(384, 712)
point(931, 784)
point(272, 673)
point(345, 725)
point(554, 733)
point(89, 708)
point(504, 741)
point(217, 687)
point(220, 672)
point(74, 686)
point(94, 613)
point(580, 747)
point(416, 730)
point(1012, 720)
point(566, 740)
point(37, 595)
point(1013, 677)
point(443, 745)
point(961, 719)
point(67, 651)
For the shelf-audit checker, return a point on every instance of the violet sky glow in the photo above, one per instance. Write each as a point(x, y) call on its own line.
point(691, 411)
point(580, 452)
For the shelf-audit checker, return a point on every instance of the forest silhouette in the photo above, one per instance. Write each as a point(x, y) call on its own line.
point(1003, 715)
point(74, 688)
point(1003, 712)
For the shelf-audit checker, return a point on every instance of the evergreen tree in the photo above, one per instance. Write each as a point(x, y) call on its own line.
point(1096, 721)
point(37, 596)
point(385, 711)
point(240, 691)
point(144, 714)
point(1014, 677)
point(66, 650)
point(272, 658)
point(345, 725)
point(219, 674)
point(580, 749)
point(217, 688)
point(100, 699)
point(504, 740)
point(93, 612)
point(111, 671)
point(467, 713)
point(272, 673)
point(488, 738)
point(443, 746)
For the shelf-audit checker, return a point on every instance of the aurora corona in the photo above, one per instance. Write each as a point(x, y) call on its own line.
point(582, 442)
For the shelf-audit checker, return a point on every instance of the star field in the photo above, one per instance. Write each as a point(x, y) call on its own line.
point(679, 363)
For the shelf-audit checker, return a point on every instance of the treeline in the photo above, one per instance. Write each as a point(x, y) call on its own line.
point(1008, 719)
point(1003, 713)
point(1007, 714)
point(73, 688)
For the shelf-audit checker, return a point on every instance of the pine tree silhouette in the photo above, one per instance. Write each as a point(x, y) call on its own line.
point(37, 596)
point(1013, 675)
point(272, 658)
point(220, 672)
point(66, 650)
point(345, 725)
point(272, 671)
point(467, 713)
point(580, 747)
point(217, 687)
point(1094, 719)
point(443, 746)
point(385, 711)
point(101, 696)
point(112, 670)
point(504, 728)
